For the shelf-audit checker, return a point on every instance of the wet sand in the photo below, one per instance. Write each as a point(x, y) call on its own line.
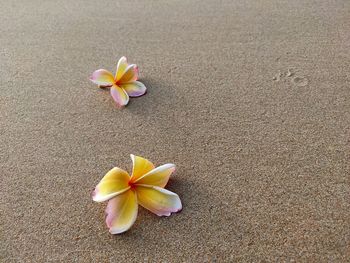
point(250, 99)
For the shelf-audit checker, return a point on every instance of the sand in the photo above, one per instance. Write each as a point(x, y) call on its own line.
point(250, 99)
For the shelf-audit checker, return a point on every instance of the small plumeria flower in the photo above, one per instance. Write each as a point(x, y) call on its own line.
point(123, 85)
point(144, 187)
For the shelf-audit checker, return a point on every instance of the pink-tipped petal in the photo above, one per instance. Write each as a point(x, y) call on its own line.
point(121, 67)
point(134, 89)
point(158, 176)
point(115, 182)
point(121, 212)
point(158, 200)
point(130, 75)
point(119, 96)
point(102, 77)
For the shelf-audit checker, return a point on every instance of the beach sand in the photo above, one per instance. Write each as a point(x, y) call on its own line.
point(250, 99)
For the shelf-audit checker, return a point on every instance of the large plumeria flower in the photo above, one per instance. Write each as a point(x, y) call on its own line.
point(123, 84)
point(144, 187)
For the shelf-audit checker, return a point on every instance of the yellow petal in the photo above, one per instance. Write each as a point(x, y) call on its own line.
point(130, 74)
point(158, 200)
point(141, 166)
point(158, 176)
point(134, 89)
point(119, 95)
point(121, 67)
point(121, 212)
point(102, 77)
point(115, 182)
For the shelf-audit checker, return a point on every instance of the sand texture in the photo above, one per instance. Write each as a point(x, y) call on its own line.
point(250, 99)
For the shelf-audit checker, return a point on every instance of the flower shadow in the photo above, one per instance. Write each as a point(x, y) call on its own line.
point(158, 95)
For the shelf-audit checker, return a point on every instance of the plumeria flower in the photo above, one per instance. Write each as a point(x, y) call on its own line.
point(123, 85)
point(144, 187)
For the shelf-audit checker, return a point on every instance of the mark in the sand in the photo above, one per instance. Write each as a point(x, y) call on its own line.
point(289, 74)
point(300, 81)
point(277, 77)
